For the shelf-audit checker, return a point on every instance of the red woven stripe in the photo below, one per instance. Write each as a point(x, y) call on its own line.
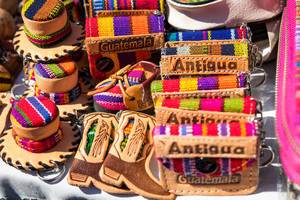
point(171, 103)
point(236, 165)
point(34, 117)
point(235, 129)
point(178, 165)
point(171, 85)
point(49, 106)
point(174, 130)
point(212, 130)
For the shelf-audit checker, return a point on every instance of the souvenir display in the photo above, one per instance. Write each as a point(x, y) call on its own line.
point(149, 97)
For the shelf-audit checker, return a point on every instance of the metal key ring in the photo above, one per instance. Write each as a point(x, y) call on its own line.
point(14, 95)
point(269, 161)
point(59, 171)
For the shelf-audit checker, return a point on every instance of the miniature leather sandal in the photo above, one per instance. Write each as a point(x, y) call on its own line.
point(38, 137)
point(99, 131)
point(128, 160)
point(47, 33)
point(129, 88)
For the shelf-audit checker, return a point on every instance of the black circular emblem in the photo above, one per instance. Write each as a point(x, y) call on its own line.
point(104, 64)
point(206, 165)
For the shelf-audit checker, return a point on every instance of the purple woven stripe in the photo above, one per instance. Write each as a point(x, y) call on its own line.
point(127, 58)
point(242, 80)
point(20, 119)
point(225, 166)
point(122, 26)
point(41, 70)
point(207, 83)
point(162, 130)
point(223, 128)
point(102, 97)
point(156, 24)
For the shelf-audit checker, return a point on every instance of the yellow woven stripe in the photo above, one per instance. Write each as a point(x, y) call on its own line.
point(241, 49)
point(105, 26)
point(158, 102)
point(161, 5)
point(188, 84)
point(209, 35)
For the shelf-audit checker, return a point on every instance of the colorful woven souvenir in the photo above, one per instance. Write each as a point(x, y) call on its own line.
point(192, 166)
point(116, 39)
point(34, 112)
point(196, 84)
point(245, 105)
point(100, 5)
point(220, 34)
point(57, 81)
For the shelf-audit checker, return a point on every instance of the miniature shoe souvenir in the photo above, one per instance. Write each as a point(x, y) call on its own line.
point(129, 89)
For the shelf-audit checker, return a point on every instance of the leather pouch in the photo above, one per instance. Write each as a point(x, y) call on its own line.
point(205, 57)
point(208, 159)
point(115, 39)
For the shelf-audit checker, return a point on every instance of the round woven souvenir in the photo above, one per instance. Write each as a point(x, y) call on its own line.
point(57, 81)
point(47, 33)
point(36, 128)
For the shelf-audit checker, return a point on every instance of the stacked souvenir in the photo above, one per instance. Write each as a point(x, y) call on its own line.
point(38, 139)
point(206, 134)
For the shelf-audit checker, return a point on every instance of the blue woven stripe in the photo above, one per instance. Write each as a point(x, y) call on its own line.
point(220, 34)
point(34, 8)
point(41, 109)
point(227, 50)
point(187, 166)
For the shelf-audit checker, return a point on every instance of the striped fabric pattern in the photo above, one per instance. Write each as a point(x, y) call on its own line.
point(99, 5)
point(48, 40)
point(245, 105)
point(188, 166)
point(236, 129)
point(112, 99)
point(202, 83)
point(60, 98)
point(297, 54)
point(42, 10)
point(34, 112)
point(38, 146)
point(237, 49)
point(124, 25)
point(221, 34)
point(53, 70)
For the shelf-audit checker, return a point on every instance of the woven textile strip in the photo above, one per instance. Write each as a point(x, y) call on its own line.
point(98, 5)
point(236, 129)
point(55, 70)
point(221, 34)
point(297, 54)
point(245, 105)
point(48, 40)
point(196, 84)
point(38, 146)
point(61, 98)
point(238, 49)
point(33, 112)
point(188, 166)
point(42, 10)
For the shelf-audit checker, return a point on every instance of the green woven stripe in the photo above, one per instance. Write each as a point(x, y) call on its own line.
point(24, 116)
point(190, 104)
point(234, 105)
point(194, 50)
point(59, 73)
point(156, 86)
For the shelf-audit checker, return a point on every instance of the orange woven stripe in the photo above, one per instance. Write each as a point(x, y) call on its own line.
point(139, 26)
point(226, 82)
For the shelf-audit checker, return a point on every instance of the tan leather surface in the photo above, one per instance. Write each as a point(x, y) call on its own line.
point(131, 165)
point(98, 45)
point(46, 27)
point(11, 152)
point(181, 65)
point(72, 43)
point(85, 167)
point(236, 92)
point(248, 184)
point(5, 109)
point(164, 148)
point(37, 133)
point(177, 116)
point(57, 85)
